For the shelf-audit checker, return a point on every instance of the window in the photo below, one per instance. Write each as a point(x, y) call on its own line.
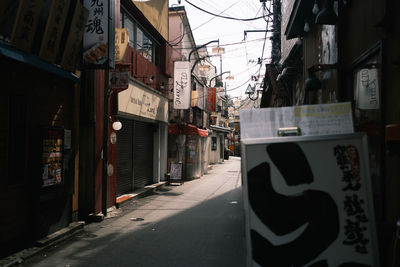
point(214, 143)
point(144, 45)
point(130, 25)
point(140, 40)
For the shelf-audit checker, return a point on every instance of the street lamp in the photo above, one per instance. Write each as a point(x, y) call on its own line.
point(217, 50)
point(227, 78)
point(254, 91)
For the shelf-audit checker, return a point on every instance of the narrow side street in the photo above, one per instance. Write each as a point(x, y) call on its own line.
point(199, 223)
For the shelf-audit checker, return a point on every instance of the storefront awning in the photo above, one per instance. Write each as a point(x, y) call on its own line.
point(302, 9)
point(188, 129)
point(15, 54)
point(220, 129)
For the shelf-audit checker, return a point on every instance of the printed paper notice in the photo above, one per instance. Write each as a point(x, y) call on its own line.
point(311, 119)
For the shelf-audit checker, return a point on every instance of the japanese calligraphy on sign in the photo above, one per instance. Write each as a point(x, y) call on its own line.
point(308, 201)
point(54, 30)
point(73, 45)
point(348, 160)
point(95, 39)
point(121, 43)
point(25, 24)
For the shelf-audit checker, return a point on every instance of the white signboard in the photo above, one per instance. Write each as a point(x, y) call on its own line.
point(367, 89)
point(182, 83)
point(95, 37)
point(308, 202)
point(311, 119)
point(142, 102)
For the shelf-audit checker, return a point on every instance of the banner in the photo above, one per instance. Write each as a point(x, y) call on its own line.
point(182, 83)
point(211, 100)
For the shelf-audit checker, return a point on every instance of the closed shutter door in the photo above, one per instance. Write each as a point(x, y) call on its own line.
point(143, 154)
point(125, 158)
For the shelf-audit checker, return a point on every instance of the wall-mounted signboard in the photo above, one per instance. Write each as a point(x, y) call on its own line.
point(99, 35)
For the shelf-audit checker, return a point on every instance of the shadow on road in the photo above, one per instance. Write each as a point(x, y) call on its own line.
point(209, 234)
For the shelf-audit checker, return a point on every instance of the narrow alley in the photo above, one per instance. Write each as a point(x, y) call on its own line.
point(199, 223)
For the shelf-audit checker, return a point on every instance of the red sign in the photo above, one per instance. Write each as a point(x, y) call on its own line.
point(119, 77)
point(211, 99)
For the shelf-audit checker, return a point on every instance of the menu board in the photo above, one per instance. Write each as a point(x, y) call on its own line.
point(52, 156)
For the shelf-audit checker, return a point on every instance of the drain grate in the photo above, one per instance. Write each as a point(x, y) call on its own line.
point(137, 219)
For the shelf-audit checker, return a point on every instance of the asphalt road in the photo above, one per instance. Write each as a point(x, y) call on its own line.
point(199, 223)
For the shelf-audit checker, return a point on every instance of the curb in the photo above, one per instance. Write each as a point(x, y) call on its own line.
point(42, 244)
point(72, 229)
point(143, 192)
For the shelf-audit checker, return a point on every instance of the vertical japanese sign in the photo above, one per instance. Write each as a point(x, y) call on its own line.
point(97, 41)
point(308, 201)
point(52, 156)
point(74, 39)
point(182, 83)
point(211, 99)
point(25, 24)
point(121, 43)
point(54, 30)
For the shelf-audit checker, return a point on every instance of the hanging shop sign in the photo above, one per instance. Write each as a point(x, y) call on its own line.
point(367, 89)
point(182, 80)
point(119, 77)
point(54, 29)
point(121, 43)
point(308, 201)
point(74, 39)
point(25, 25)
point(211, 100)
point(98, 38)
point(52, 156)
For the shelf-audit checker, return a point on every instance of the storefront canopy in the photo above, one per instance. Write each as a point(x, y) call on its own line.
point(10, 52)
point(188, 129)
point(220, 129)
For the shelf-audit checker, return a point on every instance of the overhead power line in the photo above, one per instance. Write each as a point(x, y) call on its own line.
point(226, 17)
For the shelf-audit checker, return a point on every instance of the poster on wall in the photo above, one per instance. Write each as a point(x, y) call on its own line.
point(52, 156)
point(308, 201)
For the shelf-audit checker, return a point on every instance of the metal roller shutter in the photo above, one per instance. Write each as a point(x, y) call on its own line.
point(143, 154)
point(125, 155)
